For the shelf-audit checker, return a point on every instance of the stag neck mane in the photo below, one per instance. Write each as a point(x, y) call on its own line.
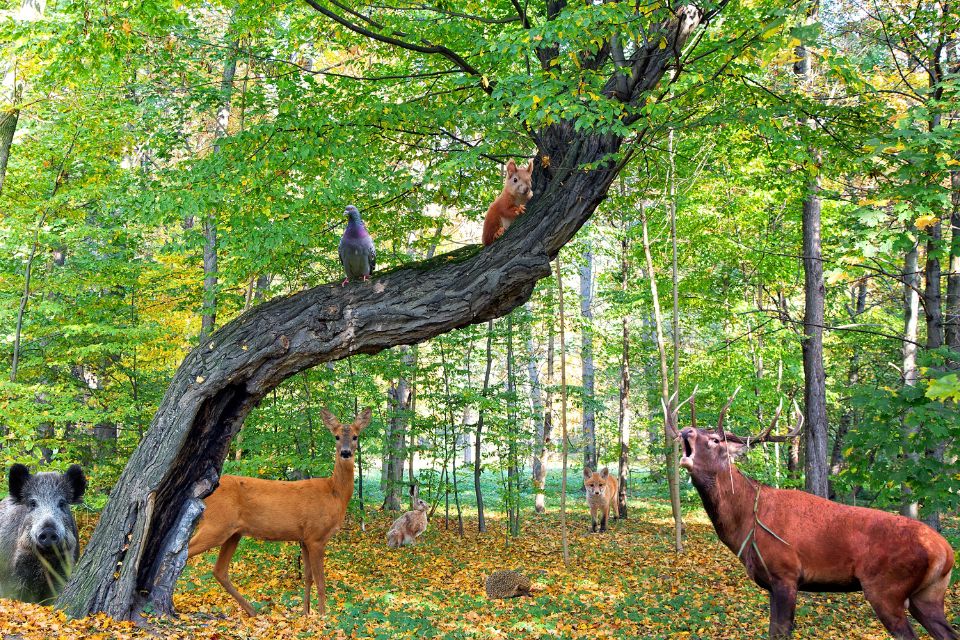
point(729, 498)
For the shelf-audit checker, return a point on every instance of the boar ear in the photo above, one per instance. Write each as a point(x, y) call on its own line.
point(77, 482)
point(604, 473)
point(586, 472)
point(18, 477)
point(330, 420)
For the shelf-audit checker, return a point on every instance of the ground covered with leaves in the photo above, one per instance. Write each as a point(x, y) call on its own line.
point(627, 583)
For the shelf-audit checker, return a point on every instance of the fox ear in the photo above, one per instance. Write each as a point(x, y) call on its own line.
point(604, 473)
point(586, 472)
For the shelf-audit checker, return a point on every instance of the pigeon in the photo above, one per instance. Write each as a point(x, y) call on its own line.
point(356, 248)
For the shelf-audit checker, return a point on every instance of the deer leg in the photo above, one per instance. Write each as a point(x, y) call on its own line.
point(221, 571)
point(933, 619)
point(307, 578)
point(889, 608)
point(928, 608)
point(317, 552)
point(783, 606)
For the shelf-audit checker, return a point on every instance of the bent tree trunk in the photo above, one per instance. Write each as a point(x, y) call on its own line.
point(139, 548)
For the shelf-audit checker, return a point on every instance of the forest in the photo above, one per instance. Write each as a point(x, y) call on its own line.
point(742, 216)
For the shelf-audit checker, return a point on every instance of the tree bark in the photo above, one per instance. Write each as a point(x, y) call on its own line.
point(586, 360)
point(477, 455)
point(911, 313)
point(564, 444)
point(30, 11)
point(208, 320)
point(814, 376)
point(671, 449)
point(513, 465)
point(623, 467)
point(400, 396)
point(538, 468)
point(952, 309)
point(8, 128)
point(848, 417)
point(139, 546)
point(933, 310)
point(544, 428)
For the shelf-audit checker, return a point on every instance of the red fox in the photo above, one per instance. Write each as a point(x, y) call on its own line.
point(601, 494)
point(511, 202)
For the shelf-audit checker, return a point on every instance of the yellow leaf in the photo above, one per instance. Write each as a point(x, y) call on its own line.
point(924, 222)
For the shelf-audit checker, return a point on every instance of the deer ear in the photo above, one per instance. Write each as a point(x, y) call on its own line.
point(734, 449)
point(330, 420)
point(586, 472)
point(19, 474)
point(362, 421)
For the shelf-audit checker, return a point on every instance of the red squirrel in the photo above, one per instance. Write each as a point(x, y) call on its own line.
point(511, 202)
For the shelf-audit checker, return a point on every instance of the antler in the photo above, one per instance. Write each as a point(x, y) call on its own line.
point(723, 413)
point(764, 436)
point(670, 417)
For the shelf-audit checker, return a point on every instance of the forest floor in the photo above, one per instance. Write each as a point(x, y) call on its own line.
point(627, 583)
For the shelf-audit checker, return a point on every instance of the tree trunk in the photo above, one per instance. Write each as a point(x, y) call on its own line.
point(477, 457)
point(952, 310)
point(586, 359)
point(911, 313)
point(138, 548)
point(848, 417)
point(8, 128)
point(208, 320)
point(538, 467)
point(400, 410)
point(513, 470)
point(672, 449)
point(30, 11)
point(564, 542)
point(933, 310)
point(814, 377)
point(623, 467)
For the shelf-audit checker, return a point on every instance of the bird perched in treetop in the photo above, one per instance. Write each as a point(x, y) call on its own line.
point(356, 248)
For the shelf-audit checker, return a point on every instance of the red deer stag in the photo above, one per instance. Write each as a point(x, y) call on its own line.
point(305, 511)
point(792, 541)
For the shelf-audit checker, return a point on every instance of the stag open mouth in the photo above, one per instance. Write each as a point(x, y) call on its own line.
point(686, 460)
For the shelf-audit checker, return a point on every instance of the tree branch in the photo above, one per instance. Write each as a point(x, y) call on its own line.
point(429, 48)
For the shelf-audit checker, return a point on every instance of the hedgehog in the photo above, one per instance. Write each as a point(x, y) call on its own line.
point(507, 584)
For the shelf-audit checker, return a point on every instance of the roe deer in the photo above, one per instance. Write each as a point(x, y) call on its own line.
point(793, 541)
point(410, 525)
point(304, 511)
point(601, 493)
